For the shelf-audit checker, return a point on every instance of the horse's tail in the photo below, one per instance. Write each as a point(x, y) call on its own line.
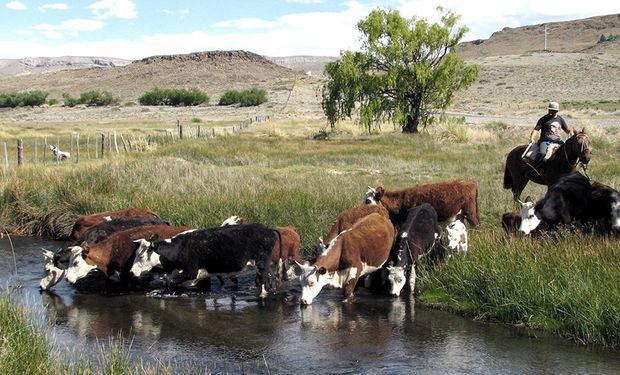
point(507, 177)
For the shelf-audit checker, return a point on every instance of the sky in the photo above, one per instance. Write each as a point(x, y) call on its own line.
point(134, 29)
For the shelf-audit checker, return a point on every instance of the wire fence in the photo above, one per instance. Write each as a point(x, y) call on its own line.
point(77, 147)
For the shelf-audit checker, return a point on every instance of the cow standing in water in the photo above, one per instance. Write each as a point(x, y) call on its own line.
point(416, 237)
point(222, 251)
point(355, 252)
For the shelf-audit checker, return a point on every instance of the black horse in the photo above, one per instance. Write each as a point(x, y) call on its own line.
point(564, 161)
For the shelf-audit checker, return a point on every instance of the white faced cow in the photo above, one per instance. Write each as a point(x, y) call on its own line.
point(448, 198)
point(457, 236)
point(566, 200)
point(416, 237)
point(53, 274)
point(222, 251)
point(361, 250)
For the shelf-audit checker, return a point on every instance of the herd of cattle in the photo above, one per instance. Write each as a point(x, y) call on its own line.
point(389, 232)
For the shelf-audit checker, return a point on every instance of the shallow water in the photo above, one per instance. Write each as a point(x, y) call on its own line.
point(229, 330)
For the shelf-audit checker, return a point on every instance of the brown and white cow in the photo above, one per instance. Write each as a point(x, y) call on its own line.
point(449, 199)
point(286, 250)
point(346, 219)
point(86, 221)
point(358, 251)
point(114, 256)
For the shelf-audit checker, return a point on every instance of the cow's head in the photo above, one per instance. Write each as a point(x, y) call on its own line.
point(146, 258)
point(312, 280)
point(78, 268)
point(396, 278)
point(233, 220)
point(457, 236)
point(529, 220)
point(53, 274)
point(373, 196)
point(615, 212)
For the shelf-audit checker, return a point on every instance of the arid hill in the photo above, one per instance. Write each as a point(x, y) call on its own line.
point(213, 72)
point(582, 35)
point(38, 65)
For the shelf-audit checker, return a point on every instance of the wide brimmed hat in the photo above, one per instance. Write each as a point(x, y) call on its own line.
point(553, 106)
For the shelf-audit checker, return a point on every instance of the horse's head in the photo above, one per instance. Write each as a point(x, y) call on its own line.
point(579, 146)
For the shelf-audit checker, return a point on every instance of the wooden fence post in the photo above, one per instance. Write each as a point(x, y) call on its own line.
point(115, 143)
point(20, 152)
point(102, 145)
point(180, 131)
point(44, 148)
point(88, 146)
point(36, 151)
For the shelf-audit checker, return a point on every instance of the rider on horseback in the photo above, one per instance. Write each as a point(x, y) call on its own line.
point(549, 126)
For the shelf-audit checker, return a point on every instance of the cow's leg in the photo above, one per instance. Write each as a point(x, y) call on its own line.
point(350, 281)
point(411, 281)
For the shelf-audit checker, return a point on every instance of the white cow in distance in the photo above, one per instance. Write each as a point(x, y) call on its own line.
point(60, 155)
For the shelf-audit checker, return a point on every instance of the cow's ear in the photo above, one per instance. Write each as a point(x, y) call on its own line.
point(154, 237)
point(322, 271)
point(529, 199)
point(379, 191)
point(85, 247)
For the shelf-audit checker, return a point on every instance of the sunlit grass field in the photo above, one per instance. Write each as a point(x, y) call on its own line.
point(277, 173)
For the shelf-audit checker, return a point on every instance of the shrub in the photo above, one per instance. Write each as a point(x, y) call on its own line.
point(21, 99)
point(230, 97)
point(245, 98)
point(252, 97)
point(69, 100)
point(97, 98)
point(174, 97)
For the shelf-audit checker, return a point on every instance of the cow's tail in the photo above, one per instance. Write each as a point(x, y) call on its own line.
point(279, 270)
point(507, 178)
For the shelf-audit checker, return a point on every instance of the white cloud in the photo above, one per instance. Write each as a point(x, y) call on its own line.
point(16, 5)
point(72, 26)
point(181, 13)
point(105, 9)
point(53, 6)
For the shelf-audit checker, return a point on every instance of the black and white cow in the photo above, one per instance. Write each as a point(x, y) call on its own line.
point(223, 251)
point(417, 236)
point(566, 201)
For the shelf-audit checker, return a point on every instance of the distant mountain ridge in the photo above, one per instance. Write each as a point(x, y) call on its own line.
point(35, 65)
point(583, 35)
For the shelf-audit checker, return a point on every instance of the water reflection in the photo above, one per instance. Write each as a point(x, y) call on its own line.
point(229, 330)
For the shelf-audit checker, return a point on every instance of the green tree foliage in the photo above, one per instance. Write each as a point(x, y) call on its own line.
point(22, 99)
point(245, 98)
point(407, 72)
point(92, 98)
point(174, 97)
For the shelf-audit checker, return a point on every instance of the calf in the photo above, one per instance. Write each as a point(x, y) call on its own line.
point(102, 230)
point(416, 237)
point(358, 251)
point(86, 221)
point(114, 256)
point(198, 254)
point(346, 219)
point(449, 199)
point(565, 201)
point(511, 221)
point(457, 236)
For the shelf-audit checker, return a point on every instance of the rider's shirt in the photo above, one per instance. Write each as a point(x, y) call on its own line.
point(551, 126)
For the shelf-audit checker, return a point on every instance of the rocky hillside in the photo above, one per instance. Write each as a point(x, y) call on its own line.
point(213, 72)
point(570, 36)
point(35, 65)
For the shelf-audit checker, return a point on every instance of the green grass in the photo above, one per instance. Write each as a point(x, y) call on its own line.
point(601, 105)
point(565, 283)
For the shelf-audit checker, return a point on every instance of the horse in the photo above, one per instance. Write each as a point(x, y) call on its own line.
point(518, 171)
point(61, 155)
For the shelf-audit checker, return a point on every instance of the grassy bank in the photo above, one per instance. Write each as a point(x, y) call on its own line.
point(565, 283)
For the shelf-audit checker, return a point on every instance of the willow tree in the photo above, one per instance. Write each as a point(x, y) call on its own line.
point(406, 72)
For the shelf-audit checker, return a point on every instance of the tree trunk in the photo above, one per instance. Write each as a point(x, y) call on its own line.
point(411, 126)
